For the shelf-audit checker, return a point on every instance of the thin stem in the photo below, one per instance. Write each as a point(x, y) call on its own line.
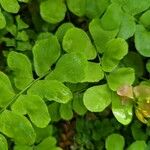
point(24, 90)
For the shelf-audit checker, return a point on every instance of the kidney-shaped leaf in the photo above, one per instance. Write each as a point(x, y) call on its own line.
point(51, 90)
point(17, 127)
point(140, 145)
point(122, 112)
point(120, 77)
point(76, 40)
point(115, 142)
point(142, 38)
point(45, 53)
point(53, 11)
point(11, 6)
point(97, 98)
point(3, 143)
point(134, 7)
point(35, 107)
point(99, 35)
point(112, 18)
point(70, 68)
point(93, 72)
point(7, 92)
point(78, 7)
point(116, 49)
point(22, 69)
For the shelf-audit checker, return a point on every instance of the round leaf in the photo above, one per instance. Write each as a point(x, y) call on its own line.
point(52, 11)
point(119, 47)
point(70, 68)
point(115, 142)
point(22, 69)
point(120, 77)
point(99, 35)
point(2, 20)
point(45, 53)
point(122, 112)
point(22, 133)
point(97, 98)
point(76, 40)
point(35, 107)
point(51, 90)
point(142, 38)
point(140, 145)
point(11, 6)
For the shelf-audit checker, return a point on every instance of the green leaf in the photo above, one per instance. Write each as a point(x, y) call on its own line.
point(65, 111)
point(77, 7)
point(70, 68)
point(35, 107)
point(2, 20)
point(120, 77)
point(61, 31)
point(48, 143)
point(11, 6)
point(24, 1)
point(51, 90)
point(97, 98)
point(134, 7)
point(22, 69)
point(140, 145)
point(99, 35)
point(122, 112)
point(22, 147)
point(45, 53)
point(142, 37)
point(22, 36)
point(119, 47)
point(53, 111)
point(3, 143)
point(94, 72)
point(57, 11)
point(20, 23)
point(148, 66)
point(7, 92)
point(112, 18)
point(42, 133)
point(78, 105)
point(145, 19)
point(115, 142)
point(127, 27)
point(76, 40)
point(22, 133)
point(134, 60)
point(96, 8)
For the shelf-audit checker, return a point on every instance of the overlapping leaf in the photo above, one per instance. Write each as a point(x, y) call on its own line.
point(35, 107)
point(11, 6)
point(70, 68)
point(140, 145)
point(142, 37)
point(121, 77)
point(122, 112)
point(116, 49)
point(45, 53)
point(57, 10)
point(51, 90)
point(2, 20)
point(115, 141)
point(97, 98)
point(7, 92)
point(100, 35)
point(3, 143)
point(17, 127)
point(76, 40)
point(21, 67)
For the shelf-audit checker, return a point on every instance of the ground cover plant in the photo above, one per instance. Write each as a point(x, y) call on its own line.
point(74, 74)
